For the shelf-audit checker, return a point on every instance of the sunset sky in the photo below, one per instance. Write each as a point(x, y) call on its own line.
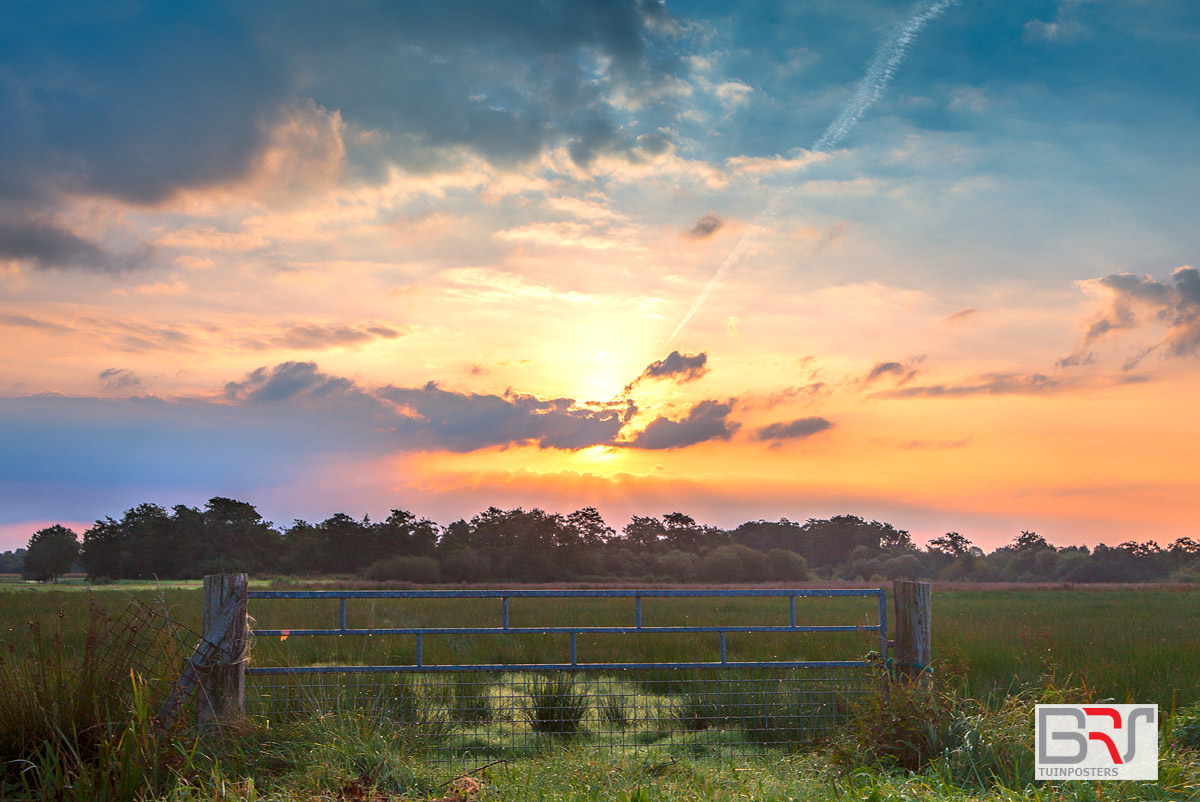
point(349, 257)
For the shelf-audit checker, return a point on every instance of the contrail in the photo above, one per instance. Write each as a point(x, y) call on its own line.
point(875, 80)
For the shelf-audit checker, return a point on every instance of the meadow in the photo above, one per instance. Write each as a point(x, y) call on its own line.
point(995, 650)
point(1139, 644)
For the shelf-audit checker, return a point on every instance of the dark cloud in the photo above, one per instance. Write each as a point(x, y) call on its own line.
point(903, 372)
point(705, 227)
point(682, 368)
point(132, 101)
point(119, 379)
point(315, 337)
point(989, 384)
point(1132, 302)
point(286, 381)
point(1075, 360)
point(137, 337)
point(137, 101)
point(795, 430)
point(48, 246)
point(708, 420)
point(438, 418)
point(26, 322)
point(430, 417)
point(961, 316)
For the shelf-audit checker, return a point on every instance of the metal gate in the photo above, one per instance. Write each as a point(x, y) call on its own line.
point(470, 674)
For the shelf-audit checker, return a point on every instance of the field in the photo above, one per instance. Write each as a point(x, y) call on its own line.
point(990, 645)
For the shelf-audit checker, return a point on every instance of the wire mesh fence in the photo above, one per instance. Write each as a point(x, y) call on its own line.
point(465, 675)
point(145, 653)
point(466, 715)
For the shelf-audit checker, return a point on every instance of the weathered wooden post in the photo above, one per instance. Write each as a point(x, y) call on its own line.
point(222, 672)
point(914, 628)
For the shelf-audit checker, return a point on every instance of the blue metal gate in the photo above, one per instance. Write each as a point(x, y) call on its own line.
point(477, 707)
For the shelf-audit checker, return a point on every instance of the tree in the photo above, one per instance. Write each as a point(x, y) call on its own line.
point(148, 543)
point(590, 525)
point(402, 533)
point(51, 553)
point(101, 552)
point(644, 532)
point(1030, 541)
point(952, 544)
point(682, 532)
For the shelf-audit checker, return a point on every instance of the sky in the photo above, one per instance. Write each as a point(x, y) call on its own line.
point(440, 257)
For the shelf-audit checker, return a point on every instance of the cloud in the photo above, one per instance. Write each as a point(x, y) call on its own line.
point(903, 372)
point(1076, 360)
point(505, 82)
point(708, 420)
point(1131, 302)
point(682, 368)
point(795, 430)
point(119, 379)
point(806, 394)
point(988, 384)
point(705, 227)
point(47, 246)
point(286, 381)
point(318, 337)
point(961, 316)
point(437, 418)
point(26, 322)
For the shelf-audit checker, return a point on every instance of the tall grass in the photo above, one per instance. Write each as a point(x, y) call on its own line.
point(997, 639)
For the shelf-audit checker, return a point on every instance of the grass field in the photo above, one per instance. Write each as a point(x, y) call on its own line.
point(991, 644)
point(1140, 645)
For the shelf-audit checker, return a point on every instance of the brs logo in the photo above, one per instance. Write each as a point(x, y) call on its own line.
point(1091, 742)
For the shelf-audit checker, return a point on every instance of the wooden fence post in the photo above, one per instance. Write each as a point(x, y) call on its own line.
point(914, 628)
point(221, 696)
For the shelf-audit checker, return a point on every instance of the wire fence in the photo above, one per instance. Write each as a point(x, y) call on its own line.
point(145, 653)
point(471, 716)
point(726, 705)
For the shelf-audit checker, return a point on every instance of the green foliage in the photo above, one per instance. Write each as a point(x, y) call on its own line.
point(417, 709)
point(556, 706)
point(420, 570)
point(930, 725)
point(472, 699)
point(1185, 728)
point(51, 553)
point(615, 711)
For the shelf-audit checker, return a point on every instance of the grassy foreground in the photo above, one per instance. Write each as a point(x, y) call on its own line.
point(968, 736)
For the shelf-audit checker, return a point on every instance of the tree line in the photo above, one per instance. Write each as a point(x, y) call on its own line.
point(519, 545)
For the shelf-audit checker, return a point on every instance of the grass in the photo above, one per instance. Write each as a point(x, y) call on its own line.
point(1126, 644)
point(968, 738)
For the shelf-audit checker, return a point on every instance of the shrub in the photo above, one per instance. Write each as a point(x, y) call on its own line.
point(467, 565)
point(472, 699)
point(556, 706)
point(1185, 728)
point(421, 570)
point(931, 725)
point(788, 566)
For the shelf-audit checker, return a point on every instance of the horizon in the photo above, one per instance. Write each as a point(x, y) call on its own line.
point(928, 263)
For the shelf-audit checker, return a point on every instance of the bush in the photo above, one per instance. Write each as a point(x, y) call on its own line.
point(788, 566)
point(932, 726)
point(1185, 728)
point(733, 564)
point(556, 706)
point(421, 570)
point(467, 565)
